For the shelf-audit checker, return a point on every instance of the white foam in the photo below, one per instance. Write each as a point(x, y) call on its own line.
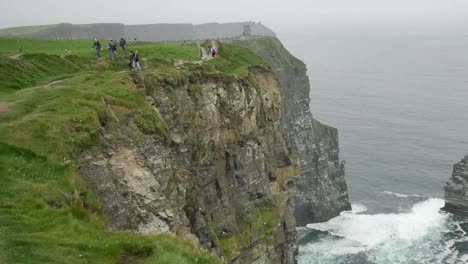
point(374, 230)
point(400, 195)
point(334, 247)
point(358, 208)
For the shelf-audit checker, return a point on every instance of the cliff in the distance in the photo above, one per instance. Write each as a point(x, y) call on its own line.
point(150, 32)
point(322, 191)
point(456, 190)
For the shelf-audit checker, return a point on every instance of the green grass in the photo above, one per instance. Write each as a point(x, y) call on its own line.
point(234, 59)
point(83, 48)
point(272, 48)
point(47, 212)
point(259, 228)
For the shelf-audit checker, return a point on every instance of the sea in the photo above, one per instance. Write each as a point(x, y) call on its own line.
point(399, 99)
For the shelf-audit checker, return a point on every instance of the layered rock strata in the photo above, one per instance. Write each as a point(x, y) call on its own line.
point(214, 167)
point(322, 191)
point(456, 190)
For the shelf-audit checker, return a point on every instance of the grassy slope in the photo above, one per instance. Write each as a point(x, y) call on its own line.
point(233, 59)
point(47, 213)
point(273, 48)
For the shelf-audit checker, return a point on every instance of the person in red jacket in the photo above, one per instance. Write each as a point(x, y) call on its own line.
point(213, 51)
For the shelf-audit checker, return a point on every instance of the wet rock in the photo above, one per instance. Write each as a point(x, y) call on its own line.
point(456, 189)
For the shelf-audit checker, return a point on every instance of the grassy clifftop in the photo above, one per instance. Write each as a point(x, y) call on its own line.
point(47, 212)
point(55, 100)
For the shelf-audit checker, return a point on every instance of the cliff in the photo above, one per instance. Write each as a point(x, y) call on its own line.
point(212, 164)
point(150, 32)
point(188, 161)
point(119, 167)
point(456, 190)
point(322, 192)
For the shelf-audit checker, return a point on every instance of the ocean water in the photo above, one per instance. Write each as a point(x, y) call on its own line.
point(400, 102)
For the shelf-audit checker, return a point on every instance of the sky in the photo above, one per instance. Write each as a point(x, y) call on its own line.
point(273, 13)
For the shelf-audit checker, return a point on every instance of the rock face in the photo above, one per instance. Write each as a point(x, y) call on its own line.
point(322, 191)
point(456, 190)
point(213, 166)
point(227, 161)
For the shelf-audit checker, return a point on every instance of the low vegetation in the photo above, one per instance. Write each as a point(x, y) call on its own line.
point(234, 59)
point(57, 105)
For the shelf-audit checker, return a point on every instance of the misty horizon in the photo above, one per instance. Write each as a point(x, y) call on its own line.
point(278, 15)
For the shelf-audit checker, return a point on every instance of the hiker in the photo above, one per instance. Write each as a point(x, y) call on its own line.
point(136, 59)
point(97, 46)
point(112, 49)
point(213, 51)
point(131, 63)
point(123, 45)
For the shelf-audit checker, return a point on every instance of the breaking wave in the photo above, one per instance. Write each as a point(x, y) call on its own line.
point(400, 195)
point(422, 235)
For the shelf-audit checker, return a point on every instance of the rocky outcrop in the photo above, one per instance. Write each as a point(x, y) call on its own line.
point(211, 165)
point(456, 190)
point(322, 191)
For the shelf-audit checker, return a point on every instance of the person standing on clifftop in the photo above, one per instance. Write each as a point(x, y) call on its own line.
point(136, 65)
point(131, 63)
point(213, 51)
point(123, 46)
point(112, 46)
point(97, 46)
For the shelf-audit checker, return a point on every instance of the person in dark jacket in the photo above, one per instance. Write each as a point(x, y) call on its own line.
point(123, 45)
point(97, 46)
point(131, 63)
point(112, 46)
point(137, 61)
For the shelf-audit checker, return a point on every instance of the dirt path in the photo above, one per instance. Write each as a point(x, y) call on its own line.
point(4, 107)
point(16, 56)
point(53, 83)
point(205, 56)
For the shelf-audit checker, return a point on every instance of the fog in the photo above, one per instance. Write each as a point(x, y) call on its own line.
point(277, 14)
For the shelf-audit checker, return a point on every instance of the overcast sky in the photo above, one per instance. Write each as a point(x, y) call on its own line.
point(274, 13)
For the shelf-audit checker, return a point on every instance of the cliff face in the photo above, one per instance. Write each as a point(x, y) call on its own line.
point(322, 191)
point(217, 164)
point(456, 190)
point(213, 167)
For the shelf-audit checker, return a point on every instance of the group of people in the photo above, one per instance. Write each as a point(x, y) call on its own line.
point(134, 63)
point(134, 60)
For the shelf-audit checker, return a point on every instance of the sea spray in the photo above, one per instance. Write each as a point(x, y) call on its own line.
point(416, 236)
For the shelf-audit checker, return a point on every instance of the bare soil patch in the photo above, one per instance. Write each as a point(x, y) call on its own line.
point(4, 107)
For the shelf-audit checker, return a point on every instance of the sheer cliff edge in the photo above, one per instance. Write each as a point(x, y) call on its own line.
point(322, 191)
